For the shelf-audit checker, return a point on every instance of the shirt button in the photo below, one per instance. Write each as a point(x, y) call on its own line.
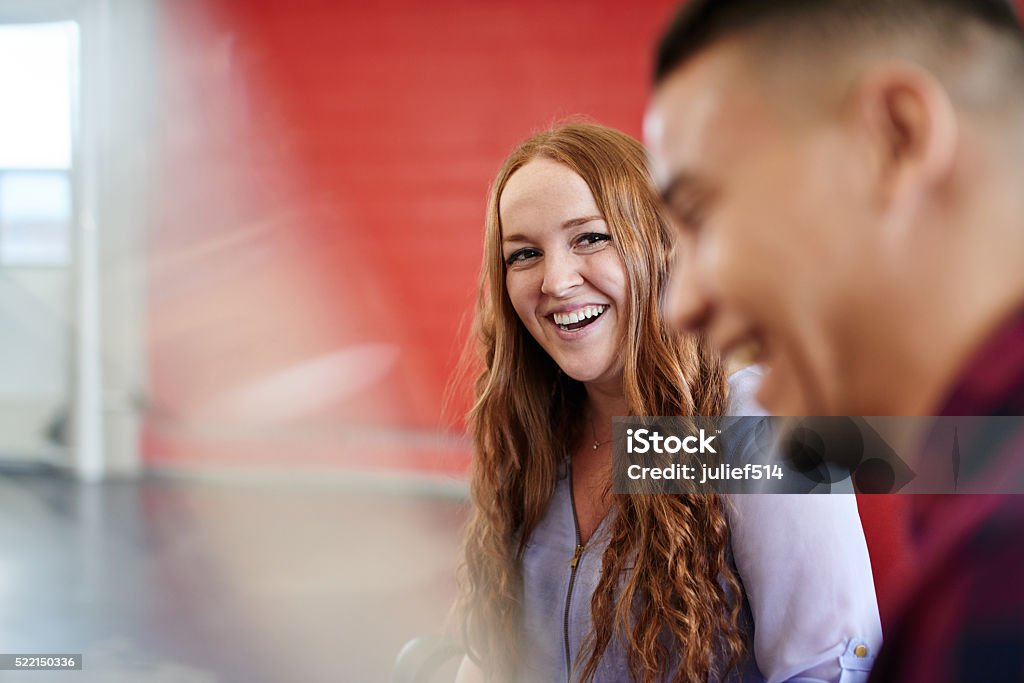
point(861, 651)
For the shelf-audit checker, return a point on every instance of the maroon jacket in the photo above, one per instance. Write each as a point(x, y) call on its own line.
point(963, 617)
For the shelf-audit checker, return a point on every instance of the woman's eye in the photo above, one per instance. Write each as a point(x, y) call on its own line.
point(520, 256)
point(593, 239)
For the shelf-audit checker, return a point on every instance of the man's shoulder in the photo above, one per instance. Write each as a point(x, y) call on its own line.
point(965, 617)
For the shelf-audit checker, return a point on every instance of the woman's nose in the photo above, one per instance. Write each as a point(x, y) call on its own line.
point(561, 275)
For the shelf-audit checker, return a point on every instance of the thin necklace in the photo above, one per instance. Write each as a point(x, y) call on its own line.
point(593, 430)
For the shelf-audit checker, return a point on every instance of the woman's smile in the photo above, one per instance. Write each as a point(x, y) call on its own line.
point(578, 318)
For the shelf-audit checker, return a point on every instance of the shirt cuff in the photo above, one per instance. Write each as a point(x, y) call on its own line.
point(855, 664)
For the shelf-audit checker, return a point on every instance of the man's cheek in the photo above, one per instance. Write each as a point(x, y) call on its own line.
point(670, 300)
point(712, 263)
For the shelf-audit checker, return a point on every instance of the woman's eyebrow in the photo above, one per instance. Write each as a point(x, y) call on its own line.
point(571, 223)
point(576, 222)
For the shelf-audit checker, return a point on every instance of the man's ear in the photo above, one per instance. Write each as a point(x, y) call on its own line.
point(910, 120)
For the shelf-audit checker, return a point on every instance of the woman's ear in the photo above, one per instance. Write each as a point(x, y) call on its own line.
point(910, 121)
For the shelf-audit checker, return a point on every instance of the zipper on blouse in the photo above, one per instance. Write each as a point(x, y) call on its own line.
point(573, 564)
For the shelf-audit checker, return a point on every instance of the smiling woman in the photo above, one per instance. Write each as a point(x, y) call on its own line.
point(564, 276)
point(564, 581)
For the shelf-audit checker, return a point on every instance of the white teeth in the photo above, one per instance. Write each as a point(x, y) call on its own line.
point(579, 315)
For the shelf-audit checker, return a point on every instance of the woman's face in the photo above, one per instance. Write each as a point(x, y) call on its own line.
point(564, 275)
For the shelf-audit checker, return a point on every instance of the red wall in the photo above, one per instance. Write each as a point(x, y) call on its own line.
point(324, 174)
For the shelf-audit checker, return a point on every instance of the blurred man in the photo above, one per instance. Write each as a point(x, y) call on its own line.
point(847, 177)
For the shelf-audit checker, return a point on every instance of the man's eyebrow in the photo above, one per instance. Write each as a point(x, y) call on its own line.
point(680, 183)
point(571, 223)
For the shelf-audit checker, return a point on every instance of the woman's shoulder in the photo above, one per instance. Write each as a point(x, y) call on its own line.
point(743, 385)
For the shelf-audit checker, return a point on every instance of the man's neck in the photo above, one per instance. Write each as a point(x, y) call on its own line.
point(945, 328)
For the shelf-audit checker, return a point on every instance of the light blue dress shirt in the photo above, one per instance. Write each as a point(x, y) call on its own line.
point(802, 560)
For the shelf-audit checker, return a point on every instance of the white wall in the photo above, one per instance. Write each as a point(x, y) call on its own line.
point(78, 335)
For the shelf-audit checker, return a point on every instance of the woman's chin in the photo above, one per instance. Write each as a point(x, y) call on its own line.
point(592, 375)
point(583, 377)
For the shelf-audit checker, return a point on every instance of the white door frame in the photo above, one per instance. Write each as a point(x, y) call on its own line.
point(112, 111)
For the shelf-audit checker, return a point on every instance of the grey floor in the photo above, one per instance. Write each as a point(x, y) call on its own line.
point(183, 582)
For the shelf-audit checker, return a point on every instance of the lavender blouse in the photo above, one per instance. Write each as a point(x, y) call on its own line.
point(802, 560)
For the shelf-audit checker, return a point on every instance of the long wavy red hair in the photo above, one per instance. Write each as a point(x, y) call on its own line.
point(680, 604)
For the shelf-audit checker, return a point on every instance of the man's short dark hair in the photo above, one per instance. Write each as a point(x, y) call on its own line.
point(699, 23)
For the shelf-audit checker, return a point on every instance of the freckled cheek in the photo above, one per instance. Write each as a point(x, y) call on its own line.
point(524, 297)
point(610, 276)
